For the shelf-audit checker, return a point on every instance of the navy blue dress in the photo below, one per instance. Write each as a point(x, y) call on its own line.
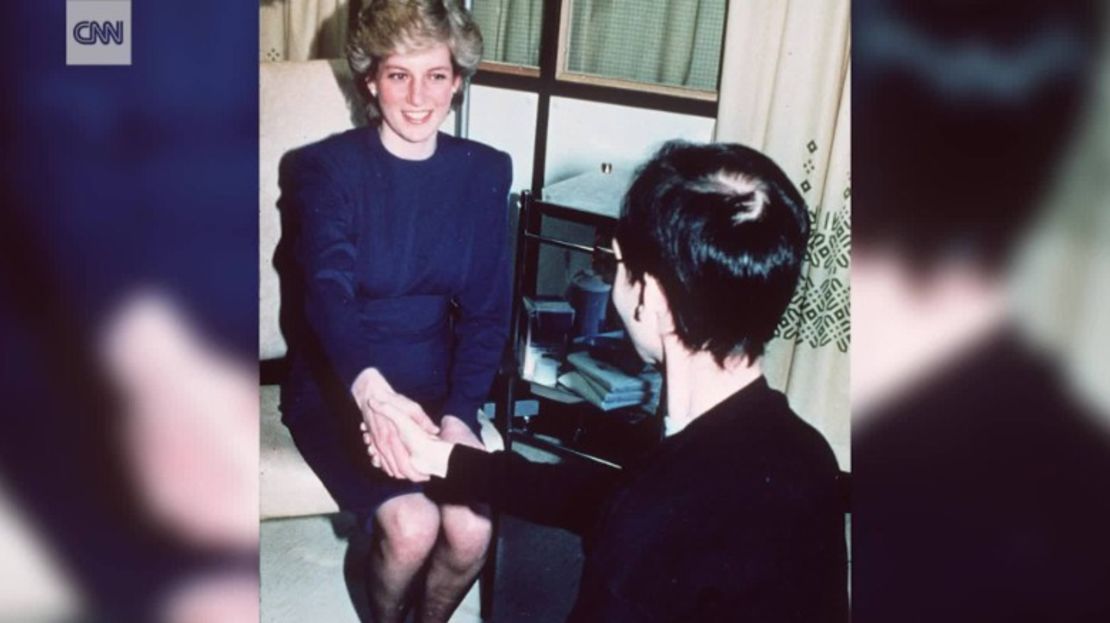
point(396, 264)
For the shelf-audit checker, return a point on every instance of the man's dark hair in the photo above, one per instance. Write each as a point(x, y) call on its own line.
point(724, 231)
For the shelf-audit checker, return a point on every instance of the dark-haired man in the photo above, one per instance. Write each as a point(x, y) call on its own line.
point(735, 515)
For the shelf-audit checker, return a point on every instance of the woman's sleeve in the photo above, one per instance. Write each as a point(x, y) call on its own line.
point(325, 250)
point(482, 325)
point(567, 495)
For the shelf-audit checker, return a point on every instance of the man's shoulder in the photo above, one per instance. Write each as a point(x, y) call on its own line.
point(768, 452)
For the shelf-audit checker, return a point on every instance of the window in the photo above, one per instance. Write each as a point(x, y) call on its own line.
point(674, 43)
point(660, 55)
point(670, 47)
point(511, 31)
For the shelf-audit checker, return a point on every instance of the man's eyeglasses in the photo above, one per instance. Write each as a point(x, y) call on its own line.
point(605, 263)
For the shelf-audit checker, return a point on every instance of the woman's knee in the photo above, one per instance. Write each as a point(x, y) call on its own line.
point(409, 526)
point(466, 532)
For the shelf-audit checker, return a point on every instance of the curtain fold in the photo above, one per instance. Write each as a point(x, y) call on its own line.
point(510, 30)
point(785, 90)
point(668, 42)
point(301, 30)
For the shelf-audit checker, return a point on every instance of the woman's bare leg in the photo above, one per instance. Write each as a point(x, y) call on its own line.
point(460, 550)
point(406, 531)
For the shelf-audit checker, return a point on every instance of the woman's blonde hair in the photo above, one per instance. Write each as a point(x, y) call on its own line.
point(385, 27)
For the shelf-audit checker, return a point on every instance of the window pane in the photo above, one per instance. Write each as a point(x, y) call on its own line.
point(510, 30)
point(670, 42)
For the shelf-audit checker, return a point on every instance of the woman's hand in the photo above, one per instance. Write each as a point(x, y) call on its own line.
point(381, 432)
point(427, 453)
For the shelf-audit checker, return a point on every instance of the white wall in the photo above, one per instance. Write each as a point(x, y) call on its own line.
point(581, 134)
point(584, 134)
point(506, 119)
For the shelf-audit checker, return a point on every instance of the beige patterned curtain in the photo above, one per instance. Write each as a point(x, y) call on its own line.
point(785, 90)
point(301, 30)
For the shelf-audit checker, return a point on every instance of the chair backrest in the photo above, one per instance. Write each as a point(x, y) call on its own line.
point(300, 103)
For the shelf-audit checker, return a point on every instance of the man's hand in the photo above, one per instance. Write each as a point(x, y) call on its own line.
point(454, 430)
point(428, 454)
point(380, 432)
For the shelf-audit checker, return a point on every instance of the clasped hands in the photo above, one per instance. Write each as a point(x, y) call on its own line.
point(400, 438)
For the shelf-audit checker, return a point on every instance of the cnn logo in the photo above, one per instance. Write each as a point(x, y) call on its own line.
point(98, 32)
point(91, 33)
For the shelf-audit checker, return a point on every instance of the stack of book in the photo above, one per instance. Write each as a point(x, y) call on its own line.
point(607, 387)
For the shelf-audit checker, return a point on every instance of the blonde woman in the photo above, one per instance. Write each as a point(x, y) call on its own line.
point(401, 281)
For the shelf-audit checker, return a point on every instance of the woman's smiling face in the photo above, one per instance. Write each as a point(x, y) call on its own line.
point(414, 90)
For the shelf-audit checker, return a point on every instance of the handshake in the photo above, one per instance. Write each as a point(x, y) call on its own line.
point(400, 438)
